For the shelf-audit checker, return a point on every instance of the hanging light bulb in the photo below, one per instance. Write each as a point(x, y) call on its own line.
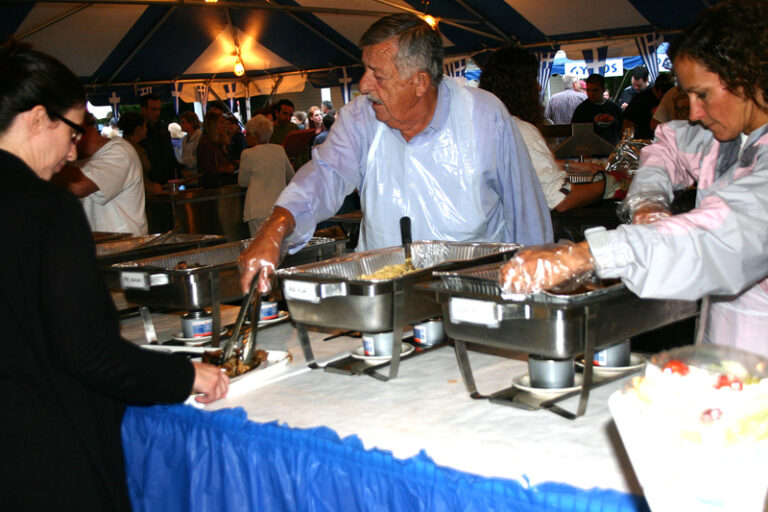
point(431, 21)
point(239, 68)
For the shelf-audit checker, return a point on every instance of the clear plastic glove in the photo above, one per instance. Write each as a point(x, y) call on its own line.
point(650, 213)
point(565, 265)
point(211, 382)
point(645, 208)
point(264, 252)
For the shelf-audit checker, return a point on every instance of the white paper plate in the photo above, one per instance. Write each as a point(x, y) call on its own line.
point(195, 342)
point(359, 353)
point(170, 349)
point(635, 361)
point(524, 382)
point(278, 362)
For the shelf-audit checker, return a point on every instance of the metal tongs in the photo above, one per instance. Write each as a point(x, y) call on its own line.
point(252, 304)
point(156, 240)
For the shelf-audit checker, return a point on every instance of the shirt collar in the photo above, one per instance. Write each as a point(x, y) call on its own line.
point(442, 111)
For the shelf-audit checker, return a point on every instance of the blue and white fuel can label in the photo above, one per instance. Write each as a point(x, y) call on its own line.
point(368, 346)
point(202, 327)
point(269, 310)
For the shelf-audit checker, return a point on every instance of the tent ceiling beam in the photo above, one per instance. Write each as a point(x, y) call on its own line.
point(327, 39)
point(141, 44)
point(482, 18)
point(224, 4)
point(460, 24)
point(53, 20)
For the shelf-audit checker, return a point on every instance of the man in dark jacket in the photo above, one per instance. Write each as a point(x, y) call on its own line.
point(158, 142)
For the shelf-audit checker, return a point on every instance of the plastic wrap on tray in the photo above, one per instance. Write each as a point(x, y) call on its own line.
point(425, 255)
point(484, 280)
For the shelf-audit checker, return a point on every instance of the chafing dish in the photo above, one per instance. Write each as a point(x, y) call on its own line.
point(211, 277)
point(103, 236)
point(554, 326)
point(317, 249)
point(333, 294)
point(137, 247)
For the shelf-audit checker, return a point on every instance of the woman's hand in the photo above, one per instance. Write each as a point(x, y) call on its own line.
point(211, 382)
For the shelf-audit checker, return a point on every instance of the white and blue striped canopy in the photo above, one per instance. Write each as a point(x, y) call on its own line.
point(125, 45)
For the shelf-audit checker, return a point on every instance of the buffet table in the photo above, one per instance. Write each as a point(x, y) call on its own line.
point(314, 440)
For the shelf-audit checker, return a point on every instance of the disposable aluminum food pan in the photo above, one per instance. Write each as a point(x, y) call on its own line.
point(332, 293)
point(158, 281)
point(547, 324)
point(161, 282)
point(135, 247)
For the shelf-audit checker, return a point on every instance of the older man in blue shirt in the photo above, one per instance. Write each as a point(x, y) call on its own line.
point(415, 144)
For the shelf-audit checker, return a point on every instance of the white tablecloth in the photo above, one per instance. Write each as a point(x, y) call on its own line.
point(427, 408)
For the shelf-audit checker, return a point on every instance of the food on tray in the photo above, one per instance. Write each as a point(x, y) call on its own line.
point(391, 271)
point(183, 265)
point(712, 395)
point(234, 366)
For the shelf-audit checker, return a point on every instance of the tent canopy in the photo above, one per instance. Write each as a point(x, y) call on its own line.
point(282, 43)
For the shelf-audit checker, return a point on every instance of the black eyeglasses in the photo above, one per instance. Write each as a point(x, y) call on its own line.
point(78, 132)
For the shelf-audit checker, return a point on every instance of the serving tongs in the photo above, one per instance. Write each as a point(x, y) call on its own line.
point(251, 304)
point(155, 240)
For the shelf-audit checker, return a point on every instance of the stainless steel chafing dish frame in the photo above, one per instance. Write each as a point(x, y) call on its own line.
point(331, 294)
point(547, 324)
point(130, 248)
point(156, 281)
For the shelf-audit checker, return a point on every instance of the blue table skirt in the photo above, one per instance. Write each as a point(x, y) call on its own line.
point(179, 458)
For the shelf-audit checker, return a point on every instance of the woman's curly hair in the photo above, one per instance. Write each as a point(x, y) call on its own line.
point(731, 40)
point(510, 73)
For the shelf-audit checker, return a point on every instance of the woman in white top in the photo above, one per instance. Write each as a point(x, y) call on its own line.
point(190, 124)
point(264, 169)
point(510, 74)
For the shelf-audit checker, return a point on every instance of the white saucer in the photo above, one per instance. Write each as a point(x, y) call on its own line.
point(359, 353)
point(282, 315)
point(197, 341)
point(524, 382)
point(635, 361)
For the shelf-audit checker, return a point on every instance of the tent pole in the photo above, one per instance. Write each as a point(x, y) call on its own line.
point(52, 21)
point(141, 44)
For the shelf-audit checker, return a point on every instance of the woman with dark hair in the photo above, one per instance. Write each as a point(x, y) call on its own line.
point(720, 248)
point(67, 374)
point(510, 74)
point(213, 164)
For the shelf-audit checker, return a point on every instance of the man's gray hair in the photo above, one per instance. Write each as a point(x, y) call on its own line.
point(568, 81)
point(260, 127)
point(420, 47)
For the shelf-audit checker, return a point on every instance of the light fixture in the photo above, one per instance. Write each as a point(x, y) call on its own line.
point(211, 1)
point(431, 21)
point(239, 68)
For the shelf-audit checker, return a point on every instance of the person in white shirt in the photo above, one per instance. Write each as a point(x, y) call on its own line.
point(108, 179)
point(264, 169)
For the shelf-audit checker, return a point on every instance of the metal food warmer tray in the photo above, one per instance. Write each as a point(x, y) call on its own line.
point(210, 278)
point(333, 293)
point(551, 325)
point(136, 247)
point(104, 236)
